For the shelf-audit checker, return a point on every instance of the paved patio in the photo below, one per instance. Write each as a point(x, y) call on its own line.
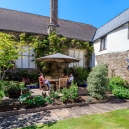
point(24, 120)
point(81, 91)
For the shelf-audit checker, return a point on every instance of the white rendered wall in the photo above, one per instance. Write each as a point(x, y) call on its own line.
point(117, 41)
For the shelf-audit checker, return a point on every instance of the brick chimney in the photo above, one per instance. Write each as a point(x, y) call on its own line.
point(53, 25)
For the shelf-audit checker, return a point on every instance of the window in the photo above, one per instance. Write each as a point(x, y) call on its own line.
point(25, 58)
point(79, 54)
point(103, 43)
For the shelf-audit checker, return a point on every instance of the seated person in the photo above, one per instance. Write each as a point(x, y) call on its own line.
point(70, 79)
point(65, 76)
point(45, 81)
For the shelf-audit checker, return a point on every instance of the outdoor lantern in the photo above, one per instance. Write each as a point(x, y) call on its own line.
point(127, 60)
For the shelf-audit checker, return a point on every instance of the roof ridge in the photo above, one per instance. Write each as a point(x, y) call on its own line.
point(27, 22)
point(45, 16)
point(24, 12)
point(76, 22)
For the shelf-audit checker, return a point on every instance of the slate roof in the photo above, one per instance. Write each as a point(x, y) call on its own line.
point(113, 24)
point(25, 22)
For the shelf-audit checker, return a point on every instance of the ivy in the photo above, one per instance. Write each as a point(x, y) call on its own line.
point(53, 43)
point(49, 44)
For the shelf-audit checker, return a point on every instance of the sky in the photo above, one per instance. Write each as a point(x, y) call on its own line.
point(93, 12)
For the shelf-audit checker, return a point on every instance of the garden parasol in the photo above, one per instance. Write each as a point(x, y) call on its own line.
point(58, 57)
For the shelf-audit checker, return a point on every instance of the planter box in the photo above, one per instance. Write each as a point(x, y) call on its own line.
point(82, 85)
point(14, 94)
point(30, 87)
point(25, 91)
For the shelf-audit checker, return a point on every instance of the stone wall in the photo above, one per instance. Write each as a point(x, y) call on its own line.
point(117, 66)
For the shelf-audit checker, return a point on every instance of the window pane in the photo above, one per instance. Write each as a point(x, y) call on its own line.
point(81, 63)
point(26, 50)
point(105, 43)
point(81, 54)
point(76, 54)
point(71, 53)
point(18, 62)
point(31, 51)
point(25, 62)
point(102, 44)
point(32, 63)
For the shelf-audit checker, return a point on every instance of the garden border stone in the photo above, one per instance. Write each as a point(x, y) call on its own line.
point(34, 110)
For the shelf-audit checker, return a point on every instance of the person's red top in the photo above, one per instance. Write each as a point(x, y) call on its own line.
point(42, 79)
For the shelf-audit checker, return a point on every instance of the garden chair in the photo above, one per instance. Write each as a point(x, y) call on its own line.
point(61, 84)
point(48, 77)
point(42, 85)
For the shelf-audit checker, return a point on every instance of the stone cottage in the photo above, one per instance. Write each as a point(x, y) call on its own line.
point(111, 41)
point(16, 22)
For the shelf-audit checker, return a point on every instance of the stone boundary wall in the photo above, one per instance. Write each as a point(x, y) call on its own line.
point(117, 65)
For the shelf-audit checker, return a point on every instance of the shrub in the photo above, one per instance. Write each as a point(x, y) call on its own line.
point(118, 87)
point(81, 74)
point(13, 86)
point(54, 94)
point(36, 100)
point(71, 93)
point(98, 81)
point(121, 92)
point(118, 81)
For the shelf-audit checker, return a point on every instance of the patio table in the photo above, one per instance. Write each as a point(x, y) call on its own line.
point(53, 81)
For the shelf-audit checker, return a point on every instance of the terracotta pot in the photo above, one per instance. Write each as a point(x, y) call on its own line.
point(25, 91)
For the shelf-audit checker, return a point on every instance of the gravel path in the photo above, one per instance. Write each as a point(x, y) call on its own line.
point(24, 120)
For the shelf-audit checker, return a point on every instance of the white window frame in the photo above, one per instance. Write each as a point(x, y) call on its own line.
point(103, 43)
point(76, 64)
point(23, 55)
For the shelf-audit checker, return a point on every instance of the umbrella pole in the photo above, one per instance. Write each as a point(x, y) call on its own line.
point(67, 69)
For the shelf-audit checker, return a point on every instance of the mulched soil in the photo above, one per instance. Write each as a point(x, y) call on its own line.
point(11, 106)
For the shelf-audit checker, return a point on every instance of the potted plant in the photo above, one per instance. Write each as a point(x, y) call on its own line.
point(81, 75)
point(14, 89)
point(36, 85)
point(25, 90)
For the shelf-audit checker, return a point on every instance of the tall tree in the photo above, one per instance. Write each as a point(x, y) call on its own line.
point(9, 52)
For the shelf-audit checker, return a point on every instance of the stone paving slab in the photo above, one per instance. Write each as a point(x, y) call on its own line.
point(62, 113)
point(52, 116)
point(101, 107)
point(117, 106)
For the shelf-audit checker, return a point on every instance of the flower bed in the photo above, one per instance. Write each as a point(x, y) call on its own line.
point(16, 105)
point(56, 98)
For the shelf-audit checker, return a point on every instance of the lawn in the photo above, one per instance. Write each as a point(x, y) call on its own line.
point(118, 119)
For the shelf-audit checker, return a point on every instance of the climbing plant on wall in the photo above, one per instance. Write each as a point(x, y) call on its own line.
point(50, 44)
point(53, 43)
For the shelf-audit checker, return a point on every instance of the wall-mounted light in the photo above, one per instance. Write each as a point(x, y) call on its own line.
point(127, 60)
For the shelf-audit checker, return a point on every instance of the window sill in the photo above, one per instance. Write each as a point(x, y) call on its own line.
point(102, 50)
